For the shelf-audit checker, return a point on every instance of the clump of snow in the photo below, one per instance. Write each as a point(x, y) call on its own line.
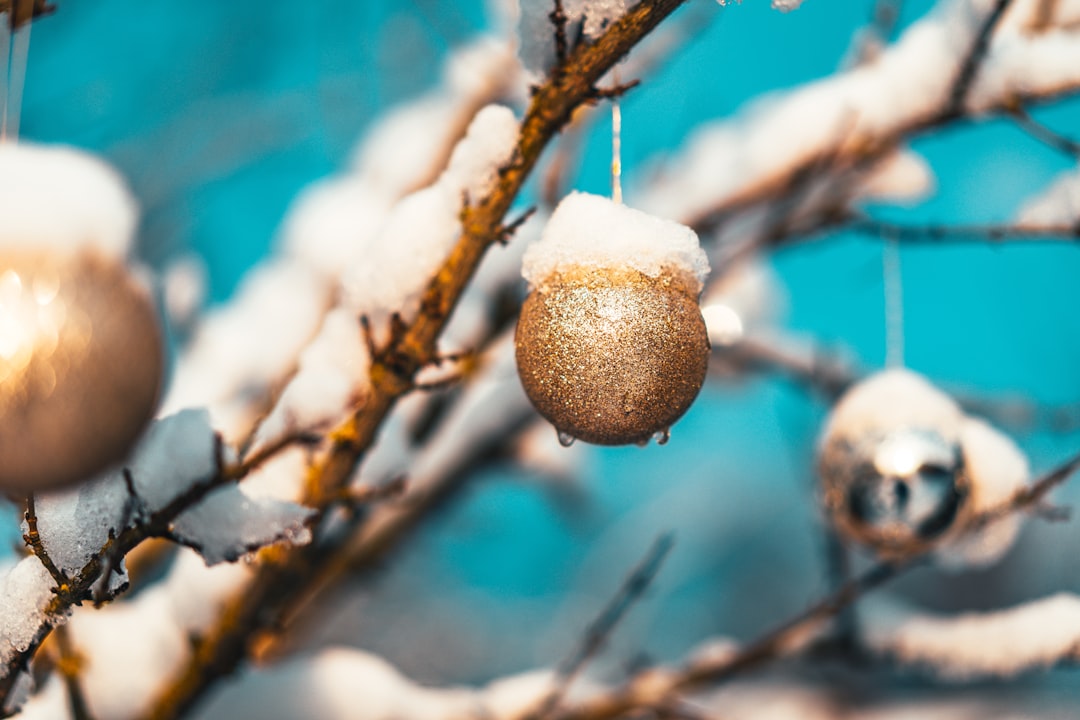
point(61, 197)
point(400, 153)
point(474, 164)
point(536, 31)
point(903, 176)
point(142, 638)
point(75, 524)
point(332, 377)
point(894, 399)
point(174, 454)
point(229, 523)
point(337, 684)
point(333, 221)
point(184, 285)
point(517, 696)
point(423, 227)
point(593, 231)
point(25, 591)
point(242, 349)
point(745, 299)
point(1058, 204)
point(973, 646)
point(786, 5)
point(998, 469)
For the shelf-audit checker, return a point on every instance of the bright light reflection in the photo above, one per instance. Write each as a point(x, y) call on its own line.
point(898, 456)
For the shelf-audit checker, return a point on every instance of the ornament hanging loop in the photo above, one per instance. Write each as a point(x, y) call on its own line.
point(616, 143)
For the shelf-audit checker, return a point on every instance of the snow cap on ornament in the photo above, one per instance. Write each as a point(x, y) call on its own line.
point(80, 347)
point(905, 471)
point(611, 345)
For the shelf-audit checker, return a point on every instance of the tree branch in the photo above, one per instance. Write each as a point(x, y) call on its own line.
point(973, 60)
point(394, 366)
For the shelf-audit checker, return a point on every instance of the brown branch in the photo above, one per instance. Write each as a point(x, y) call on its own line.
point(21, 12)
point(965, 78)
point(395, 365)
point(935, 233)
point(653, 688)
point(70, 663)
point(600, 629)
point(33, 541)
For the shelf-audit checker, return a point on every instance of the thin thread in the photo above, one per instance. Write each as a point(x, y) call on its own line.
point(894, 300)
point(16, 49)
point(5, 70)
point(616, 146)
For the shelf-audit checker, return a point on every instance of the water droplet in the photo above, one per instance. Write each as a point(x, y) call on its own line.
point(662, 436)
point(566, 439)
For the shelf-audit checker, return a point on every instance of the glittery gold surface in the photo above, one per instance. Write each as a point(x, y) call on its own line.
point(612, 356)
point(80, 367)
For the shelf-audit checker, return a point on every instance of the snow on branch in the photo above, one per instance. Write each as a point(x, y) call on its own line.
point(412, 345)
point(79, 538)
point(804, 154)
point(972, 646)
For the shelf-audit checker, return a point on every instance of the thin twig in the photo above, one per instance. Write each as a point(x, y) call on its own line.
point(32, 538)
point(70, 666)
point(940, 233)
point(1043, 134)
point(601, 628)
point(965, 78)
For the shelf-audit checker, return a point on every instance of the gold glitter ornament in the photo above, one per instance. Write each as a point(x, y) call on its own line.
point(611, 355)
point(80, 365)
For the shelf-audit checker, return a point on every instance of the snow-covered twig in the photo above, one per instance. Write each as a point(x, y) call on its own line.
point(1035, 635)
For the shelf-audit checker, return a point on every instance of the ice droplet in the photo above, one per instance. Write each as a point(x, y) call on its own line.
point(662, 436)
point(566, 439)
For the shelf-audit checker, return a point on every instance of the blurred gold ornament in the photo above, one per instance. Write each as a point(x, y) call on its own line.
point(612, 355)
point(80, 365)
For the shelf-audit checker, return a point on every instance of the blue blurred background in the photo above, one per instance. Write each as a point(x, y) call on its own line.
point(219, 113)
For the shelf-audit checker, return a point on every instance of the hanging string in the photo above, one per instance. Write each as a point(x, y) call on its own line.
point(616, 145)
point(14, 51)
point(5, 68)
point(894, 301)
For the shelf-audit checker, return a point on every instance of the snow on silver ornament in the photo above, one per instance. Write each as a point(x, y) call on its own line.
point(905, 471)
point(611, 346)
point(80, 348)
